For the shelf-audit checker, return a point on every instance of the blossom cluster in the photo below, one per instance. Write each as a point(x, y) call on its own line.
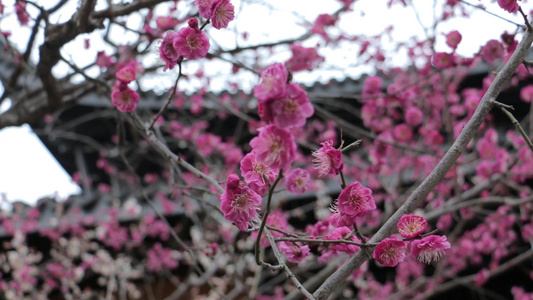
point(303, 58)
point(221, 12)
point(280, 102)
point(391, 251)
point(239, 203)
point(284, 106)
point(189, 42)
point(123, 97)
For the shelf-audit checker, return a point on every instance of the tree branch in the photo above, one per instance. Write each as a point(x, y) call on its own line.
point(126, 9)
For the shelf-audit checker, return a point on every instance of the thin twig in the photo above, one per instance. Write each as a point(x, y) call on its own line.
point(295, 235)
point(490, 13)
point(158, 145)
point(170, 96)
point(172, 232)
point(320, 241)
point(279, 256)
point(265, 216)
point(351, 146)
point(362, 238)
point(515, 122)
point(434, 214)
point(147, 199)
point(526, 21)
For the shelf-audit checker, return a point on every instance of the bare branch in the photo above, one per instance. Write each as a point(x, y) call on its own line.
point(126, 9)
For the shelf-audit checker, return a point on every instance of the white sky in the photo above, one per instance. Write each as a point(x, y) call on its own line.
point(28, 172)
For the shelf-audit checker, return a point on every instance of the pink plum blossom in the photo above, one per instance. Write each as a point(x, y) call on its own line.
point(443, 60)
point(413, 116)
point(222, 12)
point(509, 41)
point(527, 232)
point(166, 22)
point(303, 58)
point(22, 15)
point(167, 52)
point(103, 61)
point(355, 200)
point(520, 294)
point(430, 248)
point(321, 22)
point(239, 203)
point(390, 251)
point(274, 146)
point(411, 226)
point(197, 102)
point(264, 109)
point(293, 109)
point(256, 173)
point(298, 181)
point(486, 149)
point(273, 83)
point(125, 100)
point(492, 51)
point(403, 133)
point(191, 42)
point(204, 8)
point(320, 228)
point(347, 2)
point(372, 85)
point(126, 74)
point(481, 277)
point(509, 5)
point(453, 38)
point(207, 142)
point(328, 160)
point(295, 252)
point(341, 220)
point(526, 93)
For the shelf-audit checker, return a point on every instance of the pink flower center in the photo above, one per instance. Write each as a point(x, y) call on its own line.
point(259, 168)
point(290, 107)
point(389, 254)
point(240, 202)
point(222, 12)
point(275, 147)
point(192, 41)
point(125, 98)
point(169, 50)
point(356, 199)
point(412, 227)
